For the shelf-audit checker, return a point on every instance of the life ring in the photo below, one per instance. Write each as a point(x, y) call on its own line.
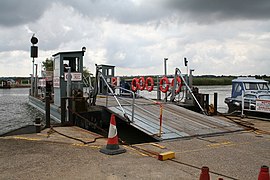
point(179, 82)
point(113, 81)
point(141, 83)
point(134, 84)
point(151, 81)
point(163, 80)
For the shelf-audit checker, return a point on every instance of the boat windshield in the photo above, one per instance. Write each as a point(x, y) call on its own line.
point(256, 86)
point(263, 86)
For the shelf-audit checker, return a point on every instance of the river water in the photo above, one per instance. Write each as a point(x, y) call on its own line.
point(14, 109)
point(16, 113)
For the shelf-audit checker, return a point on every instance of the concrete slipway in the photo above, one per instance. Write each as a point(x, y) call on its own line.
point(237, 155)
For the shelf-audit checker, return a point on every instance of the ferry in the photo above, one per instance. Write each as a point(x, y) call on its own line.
point(249, 95)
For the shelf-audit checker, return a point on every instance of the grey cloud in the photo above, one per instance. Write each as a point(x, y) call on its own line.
point(218, 10)
point(17, 12)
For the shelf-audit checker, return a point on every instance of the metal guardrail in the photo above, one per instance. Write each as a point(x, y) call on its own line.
point(183, 79)
point(133, 103)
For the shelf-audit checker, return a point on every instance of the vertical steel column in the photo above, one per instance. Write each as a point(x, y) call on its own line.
point(48, 111)
point(165, 74)
point(215, 103)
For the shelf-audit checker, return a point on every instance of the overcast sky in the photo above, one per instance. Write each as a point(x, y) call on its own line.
point(220, 37)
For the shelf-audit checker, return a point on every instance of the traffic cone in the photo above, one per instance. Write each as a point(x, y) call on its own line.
point(112, 146)
point(264, 173)
point(204, 173)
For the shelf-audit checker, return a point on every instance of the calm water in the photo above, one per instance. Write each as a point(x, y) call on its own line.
point(15, 111)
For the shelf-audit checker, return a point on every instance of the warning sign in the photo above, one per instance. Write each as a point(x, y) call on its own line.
point(263, 105)
point(74, 76)
point(56, 82)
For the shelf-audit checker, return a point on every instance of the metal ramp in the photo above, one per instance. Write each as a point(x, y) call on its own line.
point(177, 122)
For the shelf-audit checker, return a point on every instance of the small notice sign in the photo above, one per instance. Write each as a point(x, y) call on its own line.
point(74, 76)
point(263, 105)
point(56, 82)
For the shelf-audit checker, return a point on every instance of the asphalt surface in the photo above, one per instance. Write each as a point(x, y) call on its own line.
point(229, 156)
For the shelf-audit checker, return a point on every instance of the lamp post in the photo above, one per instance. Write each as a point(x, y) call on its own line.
point(165, 74)
point(33, 54)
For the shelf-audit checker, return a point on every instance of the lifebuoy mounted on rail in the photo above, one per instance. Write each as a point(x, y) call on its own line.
point(141, 83)
point(114, 81)
point(164, 81)
point(151, 81)
point(179, 84)
point(134, 84)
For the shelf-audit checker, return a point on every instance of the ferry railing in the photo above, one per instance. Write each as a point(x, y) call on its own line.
point(111, 91)
point(183, 79)
point(133, 103)
point(153, 102)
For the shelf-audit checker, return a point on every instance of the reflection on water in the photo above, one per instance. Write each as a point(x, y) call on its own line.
point(14, 109)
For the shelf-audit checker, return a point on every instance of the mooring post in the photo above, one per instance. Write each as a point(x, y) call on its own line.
point(38, 125)
point(48, 112)
point(215, 103)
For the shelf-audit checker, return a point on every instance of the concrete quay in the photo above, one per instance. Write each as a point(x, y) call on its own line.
point(50, 155)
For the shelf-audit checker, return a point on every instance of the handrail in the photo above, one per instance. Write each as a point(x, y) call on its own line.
point(134, 104)
point(183, 79)
point(110, 89)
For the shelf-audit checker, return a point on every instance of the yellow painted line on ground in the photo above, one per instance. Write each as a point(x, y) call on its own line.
point(220, 144)
point(158, 145)
point(26, 138)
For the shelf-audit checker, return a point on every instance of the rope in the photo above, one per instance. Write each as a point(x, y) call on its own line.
point(52, 130)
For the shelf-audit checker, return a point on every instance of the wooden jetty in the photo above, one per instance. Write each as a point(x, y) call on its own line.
point(177, 122)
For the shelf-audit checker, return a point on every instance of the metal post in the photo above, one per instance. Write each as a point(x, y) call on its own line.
point(68, 105)
point(243, 102)
point(63, 110)
point(165, 74)
point(215, 103)
point(48, 111)
point(36, 89)
point(32, 79)
point(158, 90)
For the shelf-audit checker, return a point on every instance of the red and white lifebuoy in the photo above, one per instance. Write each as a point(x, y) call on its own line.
point(151, 81)
point(164, 81)
point(179, 83)
point(141, 83)
point(134, 84)
point(114, 81)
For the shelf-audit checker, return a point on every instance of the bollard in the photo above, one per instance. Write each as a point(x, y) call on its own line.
point(37, 124)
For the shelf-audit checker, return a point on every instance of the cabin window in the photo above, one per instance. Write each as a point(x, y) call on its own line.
point(238, 88)
point(265, 97)
point(250, 96)
point(263, 86)
point(251, 86)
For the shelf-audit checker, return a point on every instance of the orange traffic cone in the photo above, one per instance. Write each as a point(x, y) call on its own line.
point(112, 146)
point(264, 173)
point(204, 173)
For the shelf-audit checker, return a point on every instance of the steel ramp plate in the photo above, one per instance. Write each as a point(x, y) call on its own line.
point(178, 122)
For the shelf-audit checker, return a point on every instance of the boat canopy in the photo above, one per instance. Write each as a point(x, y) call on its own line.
point(248, 84)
